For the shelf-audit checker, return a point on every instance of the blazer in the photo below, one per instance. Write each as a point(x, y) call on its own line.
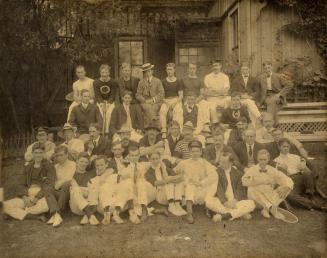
point(18, 185)
point(102, 148)
point(251, 88)
point(210, 154)
point(154, 90)
point(119, 117)
point(278, 85)
point(273, 149)
point(240, 192)
point(82, 118)
point(241, 151)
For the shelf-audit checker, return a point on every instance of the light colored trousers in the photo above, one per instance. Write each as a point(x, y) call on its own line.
point(109, 108)
point(214, 102)
point(164, 110)
point(199, 195)
point(254, 112)
point(240, 209)
point(17, 209)
point(273, 106)
point(264, 195)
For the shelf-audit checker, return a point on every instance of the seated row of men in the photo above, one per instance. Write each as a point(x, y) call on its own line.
point(135, 102)
point(179, 171)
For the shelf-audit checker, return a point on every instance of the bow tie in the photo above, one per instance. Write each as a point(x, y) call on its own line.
point(246, 76)
point(263, 170)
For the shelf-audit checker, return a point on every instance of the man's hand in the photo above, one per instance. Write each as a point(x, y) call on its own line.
point(283, 191)
point(27, 201)
point(148, 101)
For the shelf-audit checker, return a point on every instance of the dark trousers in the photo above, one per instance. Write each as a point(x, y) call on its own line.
point(57, 199)
point(303, 190)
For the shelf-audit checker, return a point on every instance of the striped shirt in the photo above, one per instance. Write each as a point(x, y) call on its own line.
point(182, 150)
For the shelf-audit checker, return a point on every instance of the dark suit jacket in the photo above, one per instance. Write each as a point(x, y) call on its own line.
point(240, 192)
point(119, 117)
point(235, 136)
point(82, 118)
point(19, 184)
point(278, 85)
point(241, 151)
point(210, 154)
point(273, 149)
point(102, 148)
point(171, 143)
point(251, 87)
point(130, 85)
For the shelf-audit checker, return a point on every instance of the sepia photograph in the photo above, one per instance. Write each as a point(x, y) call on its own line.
point(163, 128)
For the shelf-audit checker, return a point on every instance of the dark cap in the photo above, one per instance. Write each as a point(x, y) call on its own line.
point(215, 62)
point(195, 144)
point(41, 129)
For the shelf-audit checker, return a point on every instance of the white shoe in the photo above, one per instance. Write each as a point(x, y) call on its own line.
point(106, 218)
point(117, 219)
point(172, 209)
point(93, 221)
point(51, 220)
point(247, 216)
point(216, 218)
point(265, 213)
point(133, 217)
point(57, 220)
point(179, 209)
point(85, 220)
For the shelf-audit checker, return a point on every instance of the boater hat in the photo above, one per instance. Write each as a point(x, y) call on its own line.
point(67, 126)
point(146, 66)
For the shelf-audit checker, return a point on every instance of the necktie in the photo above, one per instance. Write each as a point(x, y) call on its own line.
point(135, 172)
point(250, 151)
point(94, 143)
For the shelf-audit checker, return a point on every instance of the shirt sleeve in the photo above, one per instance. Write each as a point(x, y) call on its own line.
point(282, 180)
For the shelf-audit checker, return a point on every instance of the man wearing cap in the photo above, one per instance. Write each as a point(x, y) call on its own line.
point(151, 140)
point(127, 82)
point(124, 135)
point(200, 178)
point(84, 114)
point(174, 136)
point(182, 150)
point(127, 114)
point(190, 112)
point(74, 145)
point(273, 89)
point(216, 88)
point(41, 138)
point(232, 114)
point(98, 144)
point(83, 82)
point(150, 93)
point(32, 191)
point(247, 86)
point(173, 95)
point(106, 91)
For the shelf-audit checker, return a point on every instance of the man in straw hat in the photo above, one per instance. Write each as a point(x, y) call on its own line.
point(150, 93)
point(83, 82)
point(200, 178)
point(41, 138)
point(74, 145)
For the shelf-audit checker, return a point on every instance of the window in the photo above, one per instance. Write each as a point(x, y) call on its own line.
point(234, 29)
point(198, 55)
point(131, 52)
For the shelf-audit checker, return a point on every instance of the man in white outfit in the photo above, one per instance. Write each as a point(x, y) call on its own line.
point(83, 82)
point(261, 180)
point(230, 201)
point(216, 88)
point(200, 178)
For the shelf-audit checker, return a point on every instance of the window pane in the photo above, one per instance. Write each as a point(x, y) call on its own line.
point(124, 52)
point(193, 59)
point(193, 51)
point(137, 52)
point(183, 59)
point(203, 60)
point(183, 51)
point(200, 51)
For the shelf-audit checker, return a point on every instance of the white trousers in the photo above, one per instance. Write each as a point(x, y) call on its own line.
point(199, 195)
point(17, 209)
point(164, 110)
point(264, 196)
point(214, 102)
point(253, 110)
point(109, 108)
point(240, 209)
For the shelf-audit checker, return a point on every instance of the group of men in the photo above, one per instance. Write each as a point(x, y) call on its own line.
point(130, 143)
